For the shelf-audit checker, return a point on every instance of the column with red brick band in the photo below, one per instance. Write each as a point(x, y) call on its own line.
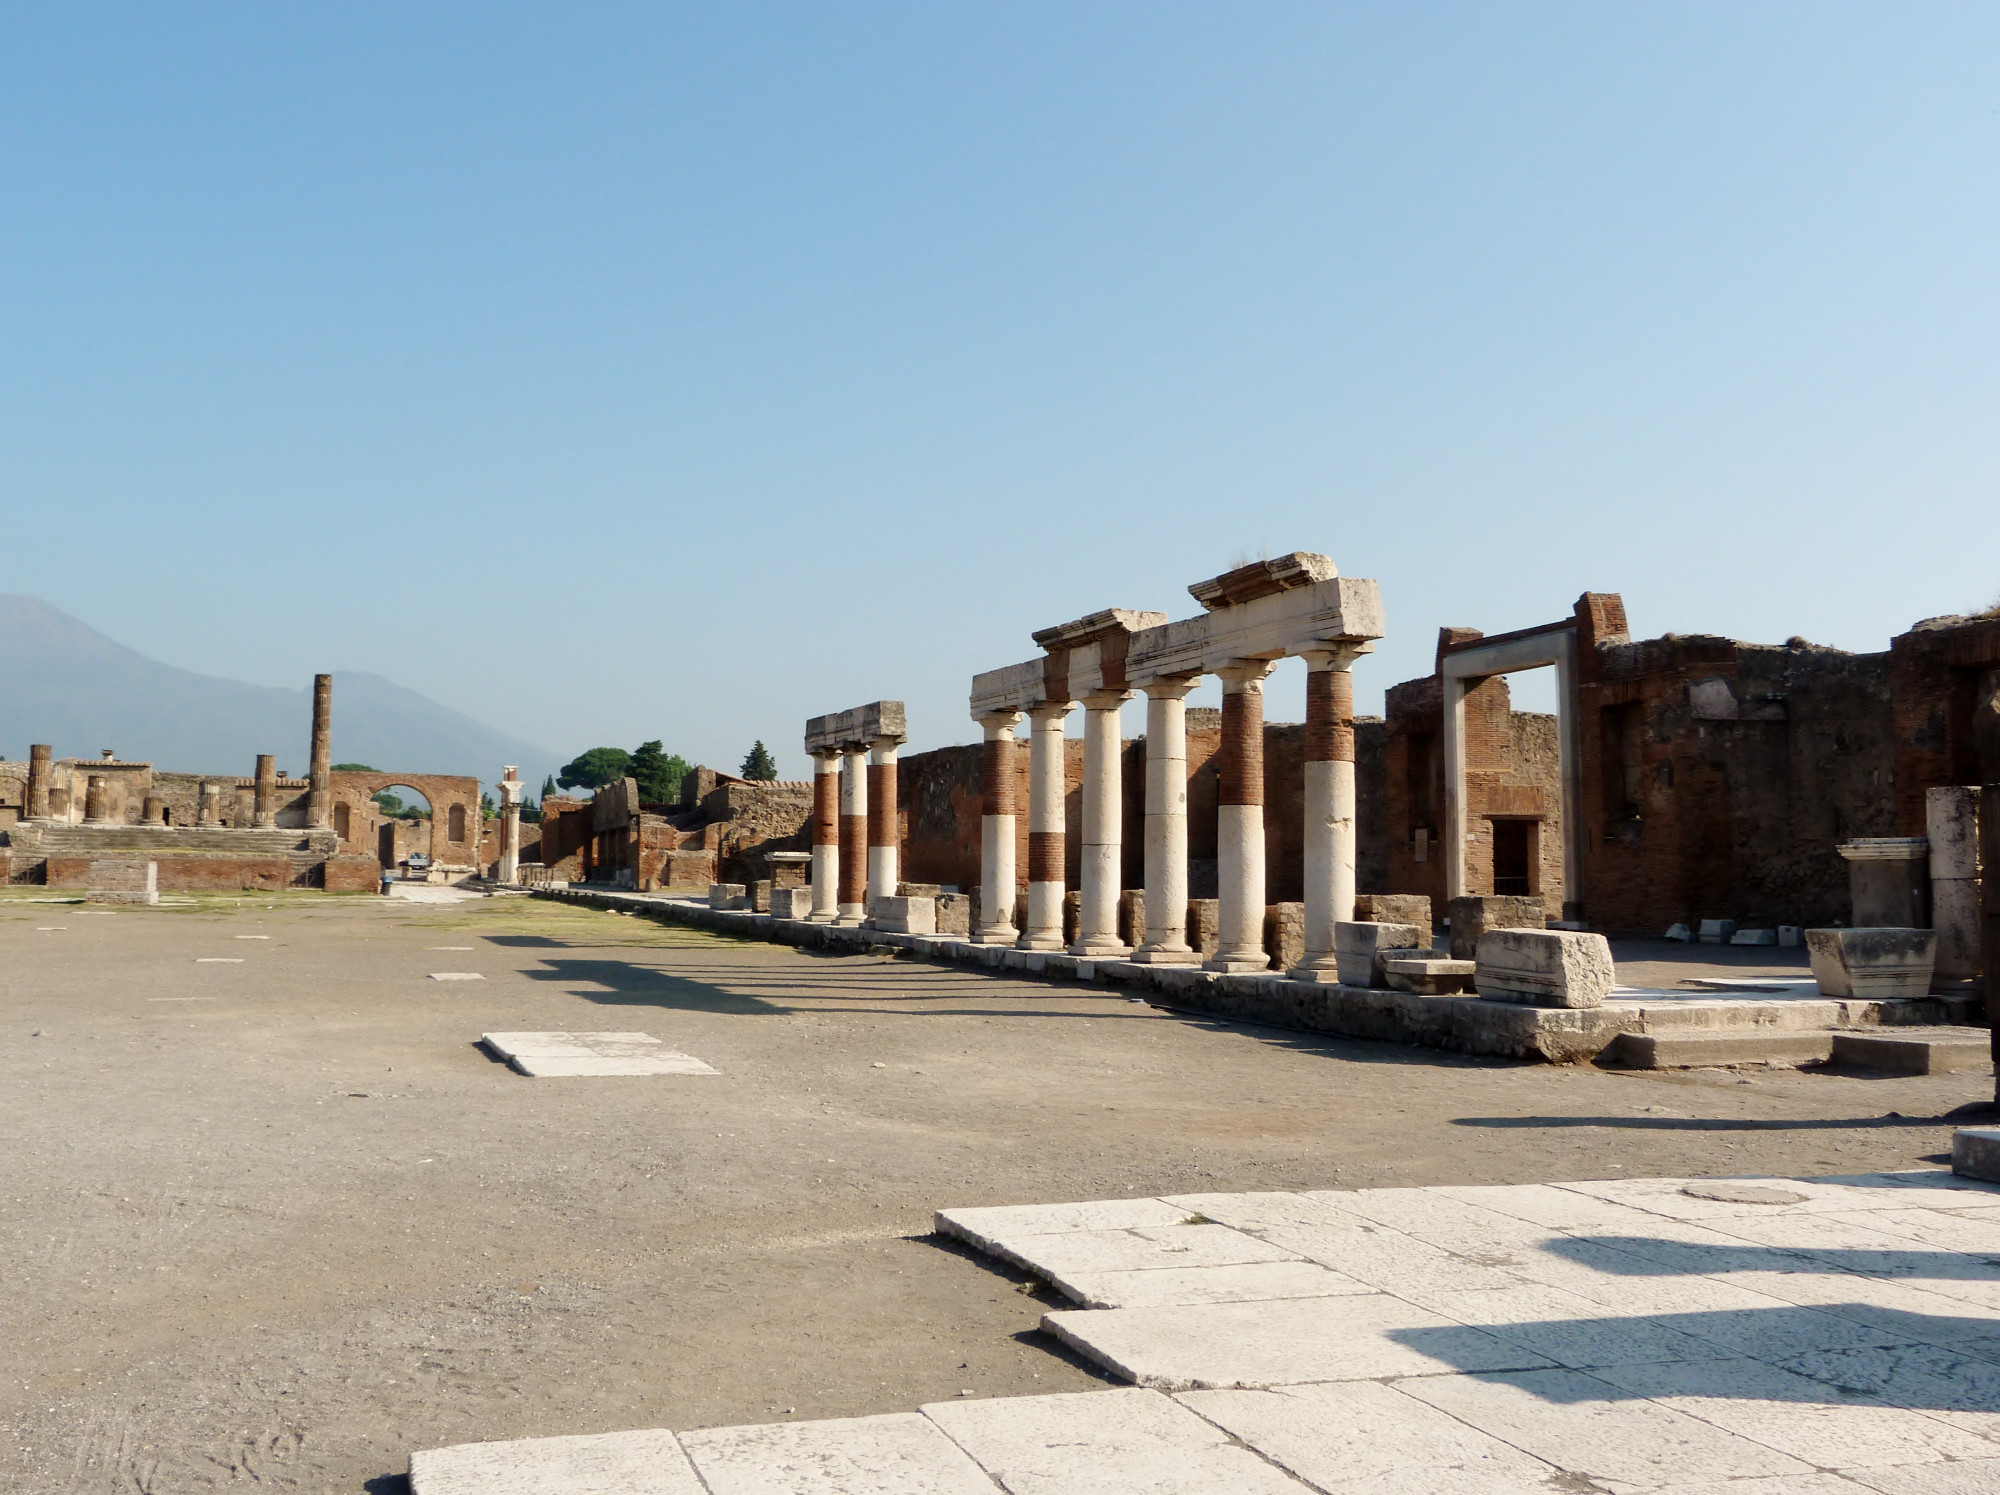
point(996, 831)
point(853, 835)
point(1046, 783)
point(882, 837)
point(826, 836)
point(1329, 810)
point(1239, 820)
point(1166, 824)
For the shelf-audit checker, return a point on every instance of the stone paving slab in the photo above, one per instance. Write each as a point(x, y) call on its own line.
point(984, 1227)
point(557, 1054)
point(899, 1453)
point(1104, 1443)
point(649, 1462)
point(1973, 1477)
point(1227, 1345)
point(1245, 1282)
point(1149, 1246)
point(1368, 1438)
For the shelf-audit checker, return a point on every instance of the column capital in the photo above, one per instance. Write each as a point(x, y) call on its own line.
point(884, 749)
point(1108, 700)
point(1171, 687)
point(1245, 674)
point(1043, 712)
point(998, 724)
point(823, 756)
point(1336, 654)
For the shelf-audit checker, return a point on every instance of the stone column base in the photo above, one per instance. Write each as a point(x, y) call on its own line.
point(1160, 955)
point(1051, 942)
point(1223, 966)
point(1102, 947)
point(1321, 968)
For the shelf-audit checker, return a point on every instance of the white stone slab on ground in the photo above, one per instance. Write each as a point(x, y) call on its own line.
point(1151, 1246)
point(982, 1226)
point(899, 1452)
point(1244, 1282)
point(1129, 1442)
point(1228, 1345)
point(648, 1462)
point(457, 976)
point(559, 1054)
point(1368, 1438)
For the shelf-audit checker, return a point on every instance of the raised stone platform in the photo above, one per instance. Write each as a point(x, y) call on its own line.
point(1463, 1024)
point(1678, 1336)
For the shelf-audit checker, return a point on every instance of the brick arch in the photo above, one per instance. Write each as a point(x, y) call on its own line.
point(444, 792)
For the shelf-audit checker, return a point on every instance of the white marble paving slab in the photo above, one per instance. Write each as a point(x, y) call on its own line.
point(1256, 1212)
point(553, 1054)
point(1944, 1382)
point(1971, 1477)
point(648, 1462)
point(1367, 1438)
point(1570, 1330)
point(1148, 1246)
point(1588, 1427)
point(457, 976)
point(981, 1226)
point(899, 1453)
point(1245, 1282)
point(1128, 1442)
point(1394, 1262)
point(1809, 1420)
point(1228, 1345)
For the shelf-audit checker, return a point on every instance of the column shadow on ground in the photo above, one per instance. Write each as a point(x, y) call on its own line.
point(1710, 1123)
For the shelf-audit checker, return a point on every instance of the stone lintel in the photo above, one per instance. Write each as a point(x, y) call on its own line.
point(1302, 568)
point(858, 726)
point(1337, 611)
point(1098, 626)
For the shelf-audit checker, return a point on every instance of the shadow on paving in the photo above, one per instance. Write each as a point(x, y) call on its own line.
point(1648, 1256)
point(1920, 1362)
point(1712, 1123)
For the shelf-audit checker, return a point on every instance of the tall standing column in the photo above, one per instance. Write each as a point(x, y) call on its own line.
point(209, 806)
point(1239, 820)
point(1100, 873)
point(826, 837)
point(97, 800)
point(510, 826)
point(35, 802)
point(883, 839)
point(1166, 825)
point(1047, 779)
point(264, 804)
point(854, 836)
point(319, 801)
point(1329, 829)
point(996, 831)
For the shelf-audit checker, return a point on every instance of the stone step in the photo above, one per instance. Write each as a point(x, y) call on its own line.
point(1698, 1048)
point(1916, 1051)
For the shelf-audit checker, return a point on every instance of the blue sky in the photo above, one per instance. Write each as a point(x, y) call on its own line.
point(623, 372)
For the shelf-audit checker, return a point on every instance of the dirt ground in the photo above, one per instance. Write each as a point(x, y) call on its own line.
point(270, 1216)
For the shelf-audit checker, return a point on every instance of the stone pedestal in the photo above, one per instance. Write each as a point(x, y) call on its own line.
point(792, 903)
point(1952, 818)
point(995, 923)
point(826, 837)
point(1879, 964)
point(1394, 908)
point(1046, 777)
point(1360, 949)
point(895, 914)
point(726, 895)
point(1166, 897)
point(1544, 967)
point(1239, 820)
point(1473, 916)
point(117, 881)
point(1888, 879)
point(1103, 837)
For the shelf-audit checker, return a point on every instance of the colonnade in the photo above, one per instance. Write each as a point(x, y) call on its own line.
point(1256, 615)
point(854, 827)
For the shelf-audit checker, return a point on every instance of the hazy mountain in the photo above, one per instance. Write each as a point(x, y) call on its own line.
point(66, 684)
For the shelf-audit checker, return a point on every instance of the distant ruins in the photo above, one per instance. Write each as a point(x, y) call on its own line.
point(60, 818)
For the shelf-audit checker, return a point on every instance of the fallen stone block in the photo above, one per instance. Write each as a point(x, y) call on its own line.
point(901, 915)
point(1872, 963)
point(1916, 1051)
point(1680, 933)
point(1394, 908)
point(1754, 937)
point(725, 895)
point(1717, 931)
point(1545, 967)
point(1428, 976)
point(953, 913)
point(1694, 1048)
point(1358, 949)
point(1472, 917)
point(791, 903)
point(1790, 936)
point(1975, 1153)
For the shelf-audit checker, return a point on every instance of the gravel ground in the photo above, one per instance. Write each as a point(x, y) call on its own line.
point(269, 1216)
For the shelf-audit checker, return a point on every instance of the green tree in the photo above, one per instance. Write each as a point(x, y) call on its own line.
point(548, 787)
point(487, 809)
point(659, 773)
point(355, 768)
point(595, 769)
point(759, 764)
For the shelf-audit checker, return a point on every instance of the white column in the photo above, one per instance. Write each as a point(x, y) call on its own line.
point(1952, 820)
point(1239, 820)
point(1100, 875)
point(826, 837)
point(882, 838)
point(1166, 824)
point(510, 827)
point(853, 835)
point(996, 832)
point(1329, 808)
point(1047, 850)
point(1453, 833)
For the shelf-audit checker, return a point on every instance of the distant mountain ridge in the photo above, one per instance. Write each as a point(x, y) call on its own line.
point(64, 683)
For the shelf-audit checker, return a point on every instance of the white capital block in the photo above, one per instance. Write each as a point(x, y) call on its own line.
point(1872, 963)
point(1545, 967)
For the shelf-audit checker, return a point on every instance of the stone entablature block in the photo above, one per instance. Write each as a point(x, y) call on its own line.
point(1544, 967)
point(859, 726)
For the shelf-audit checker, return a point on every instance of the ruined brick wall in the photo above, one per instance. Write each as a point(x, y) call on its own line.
point(1718, 777)
point(1510, 774)
point(938, 802)
point(1944, 682)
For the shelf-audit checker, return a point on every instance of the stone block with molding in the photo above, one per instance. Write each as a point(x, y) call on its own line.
point(1878, 964)
point(1544, 967)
